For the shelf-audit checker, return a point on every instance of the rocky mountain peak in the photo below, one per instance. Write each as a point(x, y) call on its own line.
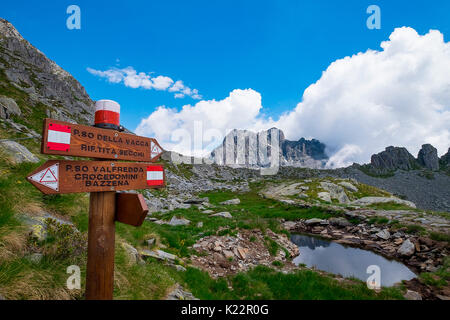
point(248, 149)
point(393, 158)
point(37, 84)
point(428, 157)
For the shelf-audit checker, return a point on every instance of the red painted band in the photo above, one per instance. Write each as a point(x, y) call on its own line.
point(58, 146)
point(105, 116)
point(155, 182)
point(155, 168)
point(59, 127)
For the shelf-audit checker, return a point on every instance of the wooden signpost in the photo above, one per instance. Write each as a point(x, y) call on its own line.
point(68, 139)
point(101, 177)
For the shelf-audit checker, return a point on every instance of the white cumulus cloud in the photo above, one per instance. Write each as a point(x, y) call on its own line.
point(398, 95)
point(133, 79)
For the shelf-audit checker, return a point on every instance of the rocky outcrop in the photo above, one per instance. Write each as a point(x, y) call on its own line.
point(391, 159)
point(365, 201)
point(445, 159)
point(37, 84)
point(243, 148)
point(8, 108)
point(428, 157)
point(17, 153)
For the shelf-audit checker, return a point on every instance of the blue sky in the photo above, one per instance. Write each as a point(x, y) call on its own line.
point(277, 48)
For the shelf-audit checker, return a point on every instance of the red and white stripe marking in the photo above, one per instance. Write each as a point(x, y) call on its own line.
point(155, 175)
point(107, 111)
point(58, 137)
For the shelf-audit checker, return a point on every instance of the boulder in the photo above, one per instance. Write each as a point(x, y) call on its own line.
point(336, 192)
point(313, 221)
point(178, 221)
point(231, 201)
point(348, 186)
point(178, 293)
point(365, 201)
point(17, 152)
point(8, 107)
point(383, 234)
point(428, 157)
point(132, 253)
point(224, 214)
point(407, 248)
point(158, 254)
point(325, 196)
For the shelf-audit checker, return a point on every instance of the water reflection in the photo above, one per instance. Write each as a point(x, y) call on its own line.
point(346, 261)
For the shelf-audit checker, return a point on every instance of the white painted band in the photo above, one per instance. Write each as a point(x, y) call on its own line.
point(58, 137)
point(155, 175)
point(107, 105)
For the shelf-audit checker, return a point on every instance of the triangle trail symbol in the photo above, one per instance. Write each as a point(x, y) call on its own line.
point(48, 177)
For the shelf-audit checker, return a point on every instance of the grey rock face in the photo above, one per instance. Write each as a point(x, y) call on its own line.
point(178, 221)
point(336, 192)
point(365, 201)
point(231, 201)
point(428, 157)
point(383, 234)
point(8, 107)
point(393, 158)
point(41, 81)
point(224, 214)
point(249, 149)
point(407, 248)
point(17, 152)
point(445, 159)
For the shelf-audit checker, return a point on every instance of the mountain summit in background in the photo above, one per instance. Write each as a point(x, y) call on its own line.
point(249, 150)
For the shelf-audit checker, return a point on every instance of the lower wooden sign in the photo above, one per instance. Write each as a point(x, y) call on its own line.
point(66, 176)
point(131, 208)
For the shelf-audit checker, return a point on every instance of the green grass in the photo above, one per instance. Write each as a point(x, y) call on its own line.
point(439, 278)
point(266, 283)
point(253, 212)
point(438, 236)
point(390, 206)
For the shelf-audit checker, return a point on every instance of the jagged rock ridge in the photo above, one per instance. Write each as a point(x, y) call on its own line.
point(398, 158)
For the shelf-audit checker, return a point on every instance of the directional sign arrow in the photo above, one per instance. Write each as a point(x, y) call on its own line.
point(131, 208)
point(65, 138)
point(66, 176)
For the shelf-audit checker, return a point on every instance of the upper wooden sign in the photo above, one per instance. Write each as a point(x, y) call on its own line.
point(65, 138)
point(66, 176)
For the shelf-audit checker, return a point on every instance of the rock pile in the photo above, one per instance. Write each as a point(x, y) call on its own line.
point(223, 255)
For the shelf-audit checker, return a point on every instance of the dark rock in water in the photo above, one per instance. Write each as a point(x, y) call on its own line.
point(393, 158)
point(428, 157)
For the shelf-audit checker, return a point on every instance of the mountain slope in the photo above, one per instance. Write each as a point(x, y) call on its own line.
point(37, 85)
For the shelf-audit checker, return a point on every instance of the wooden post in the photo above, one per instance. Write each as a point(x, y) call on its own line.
point(101, 240)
